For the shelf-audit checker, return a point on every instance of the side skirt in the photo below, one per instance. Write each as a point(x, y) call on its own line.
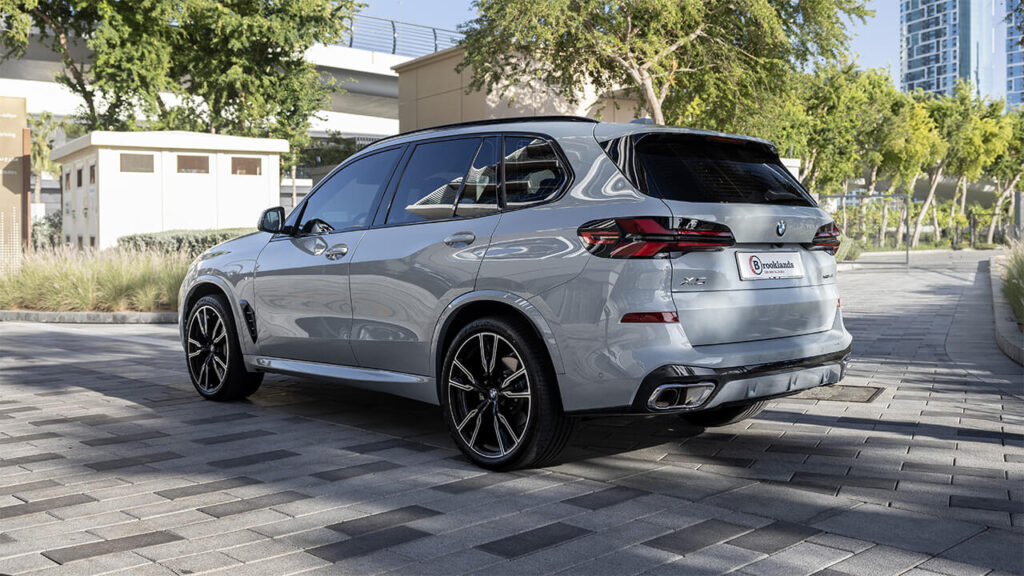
point(412, 386)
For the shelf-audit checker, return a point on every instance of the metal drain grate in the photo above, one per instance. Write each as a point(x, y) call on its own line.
point(841, 393)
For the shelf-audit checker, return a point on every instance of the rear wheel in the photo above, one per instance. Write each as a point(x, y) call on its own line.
point(499, 396)
point(724, 416)
point(213, 355)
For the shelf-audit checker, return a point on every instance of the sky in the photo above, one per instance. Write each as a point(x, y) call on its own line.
point(876, 42)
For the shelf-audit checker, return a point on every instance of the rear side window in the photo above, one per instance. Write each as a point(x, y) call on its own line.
point(533, 172)
point(691, 168)
point(480, 192)
point(348, 199)
point(432, 180)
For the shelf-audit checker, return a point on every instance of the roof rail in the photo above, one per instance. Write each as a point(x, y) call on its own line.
point(489, 122)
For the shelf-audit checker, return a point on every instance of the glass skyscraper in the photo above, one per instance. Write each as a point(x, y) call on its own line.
point(1014, 58)
point(942, 40)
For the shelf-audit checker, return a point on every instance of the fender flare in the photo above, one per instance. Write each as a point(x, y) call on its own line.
point(221, 284)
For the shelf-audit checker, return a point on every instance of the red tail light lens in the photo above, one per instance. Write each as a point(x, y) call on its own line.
point(827, 238)
point(650, 318)
point(652, 237)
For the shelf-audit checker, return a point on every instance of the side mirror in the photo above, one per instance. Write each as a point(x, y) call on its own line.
point(272, 220)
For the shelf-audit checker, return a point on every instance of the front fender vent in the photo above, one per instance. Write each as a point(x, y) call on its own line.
point(250, 319)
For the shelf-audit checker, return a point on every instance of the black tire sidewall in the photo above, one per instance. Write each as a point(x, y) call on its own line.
point(234, 384)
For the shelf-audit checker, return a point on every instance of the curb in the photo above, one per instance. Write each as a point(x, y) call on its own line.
point(1009, 338)
point(89, 317)
point(846, 266)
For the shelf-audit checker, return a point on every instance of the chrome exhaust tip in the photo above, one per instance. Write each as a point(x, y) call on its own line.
point(679, 396)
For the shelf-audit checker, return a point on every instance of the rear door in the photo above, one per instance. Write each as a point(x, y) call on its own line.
point(772, 283)
point(425, 250)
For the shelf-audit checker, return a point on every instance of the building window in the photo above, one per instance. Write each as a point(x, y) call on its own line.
point(193, 164)
point(67, 239)
point(79, 242)
point(67, 180)
point(246, 166)
point(92, 241)
point(136, 162)
point(92, 174)
point(78, 178)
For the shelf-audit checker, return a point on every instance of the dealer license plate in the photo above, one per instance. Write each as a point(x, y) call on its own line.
point(769, 265)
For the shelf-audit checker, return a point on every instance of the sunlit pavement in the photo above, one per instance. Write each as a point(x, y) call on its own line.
point(110, 463)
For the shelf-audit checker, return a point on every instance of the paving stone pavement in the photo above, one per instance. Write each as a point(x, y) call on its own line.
point(109, 463)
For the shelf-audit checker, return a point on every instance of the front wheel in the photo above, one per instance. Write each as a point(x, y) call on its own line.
point(500, 398)
point(724, 416)
point(213, 355)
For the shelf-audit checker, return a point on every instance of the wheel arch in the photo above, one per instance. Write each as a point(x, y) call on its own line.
point(474, 305)
point(207, 286)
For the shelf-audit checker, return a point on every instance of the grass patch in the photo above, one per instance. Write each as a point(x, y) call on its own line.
point(115, 280)
point(1013, 280)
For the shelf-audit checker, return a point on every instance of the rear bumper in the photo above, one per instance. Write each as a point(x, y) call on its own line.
point(736, 385)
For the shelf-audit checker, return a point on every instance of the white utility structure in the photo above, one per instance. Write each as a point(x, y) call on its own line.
point(119, 183)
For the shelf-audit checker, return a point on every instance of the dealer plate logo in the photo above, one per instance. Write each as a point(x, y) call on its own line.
point(769, 265)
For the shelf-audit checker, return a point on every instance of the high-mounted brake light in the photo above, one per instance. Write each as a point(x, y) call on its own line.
point(827, 238)
point(652, 237)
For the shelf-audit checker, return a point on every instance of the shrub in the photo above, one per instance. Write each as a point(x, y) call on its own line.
point(113, 280)
point(849, 249)
point(189, 242)
point(46, 233)
point(1013, 280)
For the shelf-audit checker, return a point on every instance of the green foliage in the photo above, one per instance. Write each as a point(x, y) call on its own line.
point(109, 281)
point(190, 243)
point(1013, 280)
point(694, 52)
point(849, 249)
point(46, 233)
point(43, 128)
point(329, 152)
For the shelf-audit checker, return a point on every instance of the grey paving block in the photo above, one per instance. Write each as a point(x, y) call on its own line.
point(250, 504)
point(27, 438)
point(899, 528)
point(989, 434)
point(998, 504)
point(4, 539)
point(533, 540)
point(953, 470)
point(474, 483)
point(371, 447)
point(774, 537)
point(1014, 458)
point(124, 438)
point(118, 463)
point(17, 409)
point(30, 459)
point(355, 471)
point(998, 549)
point(383, 520)
point(880, 561)
point(804, 558)
point(225, 438)
point(605, 498)
point(366, 544)
point(26, 486)
point(219, 419)
point(693, 538)
point(207, 487)
point(44, 505)
point(814, 450)
point(840, 481)
point(683, 482)
point(259, 458)
point(82, 551)
point(779, 502)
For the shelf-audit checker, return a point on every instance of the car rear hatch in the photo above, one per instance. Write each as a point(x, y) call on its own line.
point(777, 279)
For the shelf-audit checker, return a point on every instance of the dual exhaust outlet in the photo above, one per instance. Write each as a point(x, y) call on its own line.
point(680, 396)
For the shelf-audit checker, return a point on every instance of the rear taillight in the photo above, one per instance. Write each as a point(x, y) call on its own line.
point(652, 237)
point(827, 238)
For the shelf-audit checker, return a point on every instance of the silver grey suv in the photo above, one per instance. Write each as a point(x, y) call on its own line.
point(520, 273)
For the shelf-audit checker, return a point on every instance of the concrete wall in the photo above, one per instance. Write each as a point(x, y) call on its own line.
point(431, 92)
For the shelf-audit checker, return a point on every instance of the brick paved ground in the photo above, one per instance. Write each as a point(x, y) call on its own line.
point(110, 463)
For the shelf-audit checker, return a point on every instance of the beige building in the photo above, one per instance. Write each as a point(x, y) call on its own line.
point(431, 92)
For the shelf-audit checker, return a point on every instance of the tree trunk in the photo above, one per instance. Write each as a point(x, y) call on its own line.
point(933, 183)
point(862, 216)
point(935, 221)
point(997, 211)
point(963, 198)
point(39, 185)
point(956, 196)
point(885, 216)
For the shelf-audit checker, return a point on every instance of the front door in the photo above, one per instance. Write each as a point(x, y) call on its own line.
point(425, 253)
point(302, 301)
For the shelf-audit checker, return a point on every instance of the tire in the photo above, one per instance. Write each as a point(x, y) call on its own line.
point(213, 355)
point(724, 416)
point(499, 396)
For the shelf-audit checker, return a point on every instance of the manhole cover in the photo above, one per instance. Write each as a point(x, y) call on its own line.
point(841, 393)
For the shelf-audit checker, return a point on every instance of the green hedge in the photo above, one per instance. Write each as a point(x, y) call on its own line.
point(189, 242)
point(1013, 280)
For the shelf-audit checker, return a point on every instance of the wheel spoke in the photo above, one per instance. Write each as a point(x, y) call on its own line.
point(217, 362)
point(514, 375)
point(195, 343)
point(476, 428)
point(204, 376)
point(483, 354)
point(219, 330)
point(515, 437)
point(509, 394)
point(461, 386)
point(468, 374)
point(196, 353)
point(494, 356)
point(497, 430)
point(201, 317)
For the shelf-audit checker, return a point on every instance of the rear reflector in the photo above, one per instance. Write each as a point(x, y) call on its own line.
point(650, 318)
point(827, 238)
point(652, 237)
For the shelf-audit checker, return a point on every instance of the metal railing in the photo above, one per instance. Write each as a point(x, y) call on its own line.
point(394, 37)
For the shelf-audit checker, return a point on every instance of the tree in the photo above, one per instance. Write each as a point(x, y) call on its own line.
point(1007, 169)
point(43, 128)
point(982, 136)
point(711, 49)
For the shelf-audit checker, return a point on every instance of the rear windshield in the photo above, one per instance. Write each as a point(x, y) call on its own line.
point(693, 168)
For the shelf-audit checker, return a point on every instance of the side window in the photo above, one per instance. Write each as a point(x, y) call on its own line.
point(480, 193)
point(348, 199)
point(432, 180)
point(533, 172)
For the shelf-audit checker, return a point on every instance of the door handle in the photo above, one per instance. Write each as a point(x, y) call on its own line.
point(460, 238)
point(336, 251)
